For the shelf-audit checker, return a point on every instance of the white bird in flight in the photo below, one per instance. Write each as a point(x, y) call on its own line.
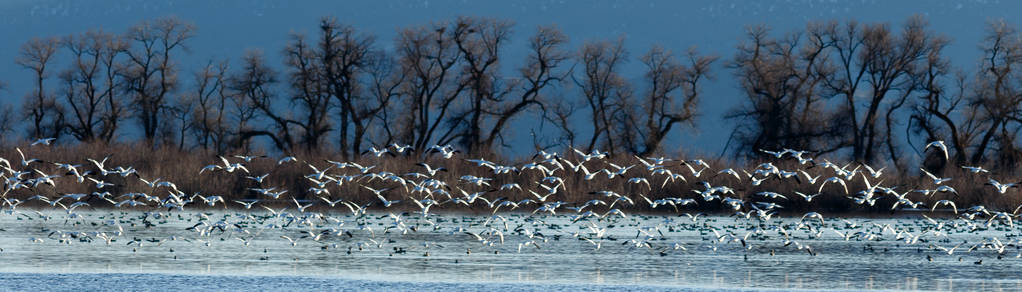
point(833, 179)
point(940, 145)
point(44, 141)
point(1001, 188)
point(936, 180)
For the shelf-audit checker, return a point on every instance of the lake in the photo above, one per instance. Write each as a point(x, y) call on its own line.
point(229, 250)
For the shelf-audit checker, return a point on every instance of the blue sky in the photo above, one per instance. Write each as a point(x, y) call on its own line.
point(227, 28)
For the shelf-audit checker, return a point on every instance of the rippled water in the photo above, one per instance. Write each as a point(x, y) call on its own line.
point(447, 257)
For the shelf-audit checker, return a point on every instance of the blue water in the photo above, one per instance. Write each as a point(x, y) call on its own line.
point(177, 282)
point(33, 257)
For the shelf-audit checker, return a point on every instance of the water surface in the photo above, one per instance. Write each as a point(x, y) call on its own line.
point(441, 253)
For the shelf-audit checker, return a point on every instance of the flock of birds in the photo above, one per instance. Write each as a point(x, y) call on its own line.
point(622, 206)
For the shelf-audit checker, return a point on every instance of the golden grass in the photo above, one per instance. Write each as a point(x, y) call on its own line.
point(182, 168)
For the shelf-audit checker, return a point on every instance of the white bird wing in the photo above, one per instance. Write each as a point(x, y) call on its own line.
point(476, 235)
point(934, 177)
point(274, 212)
point(20, 153)
point(354, 209)
point(224, 160)
point(416, 202)
point(940, 145)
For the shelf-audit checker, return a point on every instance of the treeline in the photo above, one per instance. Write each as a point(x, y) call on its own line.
point(866, 91)
point(871, 89)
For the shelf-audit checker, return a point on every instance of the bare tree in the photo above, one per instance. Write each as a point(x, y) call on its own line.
point(540, 71)
point(243, 118)
point(345, 54)
point(829, 87)
point(151, 74)
point(253, 86)
point(40, 107)
point(671, 99)
point(384, 81)
point(781, 79)
point(180, 111)
point(874, 67)
point(560, 114)
point(310, 93)
point(603, 88)
point(943, 112)
point(90, 86)
point(7, 118)
point(210, 113)
point(480, 41)
point(429, 56)
point(113, 78)
point(7, 121)
point(998, 88)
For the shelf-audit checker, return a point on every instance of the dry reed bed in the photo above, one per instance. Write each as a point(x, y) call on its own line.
point(182, 168)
